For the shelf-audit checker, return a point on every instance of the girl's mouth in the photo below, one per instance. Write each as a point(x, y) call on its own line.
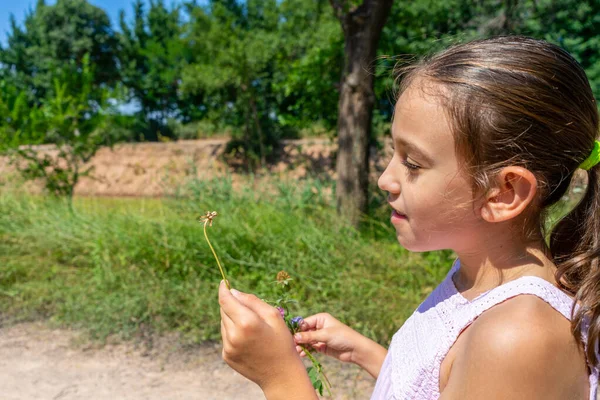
point(396, 216)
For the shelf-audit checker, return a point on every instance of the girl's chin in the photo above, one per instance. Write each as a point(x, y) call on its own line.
point(413, 245)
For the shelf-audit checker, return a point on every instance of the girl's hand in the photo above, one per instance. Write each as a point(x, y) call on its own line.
point(329, 336)
point(258, 344)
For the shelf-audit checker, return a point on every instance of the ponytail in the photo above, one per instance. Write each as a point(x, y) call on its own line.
point(575, 248)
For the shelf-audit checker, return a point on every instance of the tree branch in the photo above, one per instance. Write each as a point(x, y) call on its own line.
point(338, 8)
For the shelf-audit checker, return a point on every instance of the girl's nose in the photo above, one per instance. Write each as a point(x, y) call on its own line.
point(387, 181)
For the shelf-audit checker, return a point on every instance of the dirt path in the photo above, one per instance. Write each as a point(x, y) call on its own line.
point(37, 362)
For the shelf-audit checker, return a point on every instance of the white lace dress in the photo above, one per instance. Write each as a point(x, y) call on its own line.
point(411, 369)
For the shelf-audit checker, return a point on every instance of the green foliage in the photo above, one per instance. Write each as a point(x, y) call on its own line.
point(315, 372)
point(418, 28)
point(266, 68)
point(55, 37)
point(20, 121)
point(73, 120)
point(152, 54)
point(571, 25)
point(260, 70)
point(237, 49)
point(309, 65)
point(130, 266)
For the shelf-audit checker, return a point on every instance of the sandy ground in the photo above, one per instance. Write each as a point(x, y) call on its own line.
point(37, 362)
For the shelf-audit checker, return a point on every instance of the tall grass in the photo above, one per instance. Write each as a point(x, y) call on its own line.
point(132, 266)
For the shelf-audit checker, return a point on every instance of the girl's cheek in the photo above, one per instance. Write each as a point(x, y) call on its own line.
point(424, 196)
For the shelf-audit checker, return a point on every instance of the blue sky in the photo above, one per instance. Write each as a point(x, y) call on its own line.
point(20, 7)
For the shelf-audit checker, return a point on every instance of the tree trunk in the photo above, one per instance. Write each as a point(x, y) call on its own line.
point(362, 28)
point(261, 141)
point(509, 16)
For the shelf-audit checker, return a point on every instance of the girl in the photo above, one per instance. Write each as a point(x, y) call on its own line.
point(487, 137)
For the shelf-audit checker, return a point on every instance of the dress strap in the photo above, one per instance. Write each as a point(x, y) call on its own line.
point(531, 285)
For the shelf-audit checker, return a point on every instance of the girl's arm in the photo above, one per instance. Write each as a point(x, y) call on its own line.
point(295, 385)
point(258, 344)
point(369, 355)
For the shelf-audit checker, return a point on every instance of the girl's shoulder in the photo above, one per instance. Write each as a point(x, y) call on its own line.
point(522, 320)
point(521, 344)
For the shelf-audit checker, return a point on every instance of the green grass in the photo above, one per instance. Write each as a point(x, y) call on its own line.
point(130, 266)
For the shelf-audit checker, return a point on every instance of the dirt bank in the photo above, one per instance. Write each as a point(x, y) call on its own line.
point(155, 169)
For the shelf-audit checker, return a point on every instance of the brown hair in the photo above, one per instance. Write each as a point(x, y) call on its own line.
point(514, 100)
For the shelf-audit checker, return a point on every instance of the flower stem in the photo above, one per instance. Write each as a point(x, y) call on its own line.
point(319, 368)
point(216, 258)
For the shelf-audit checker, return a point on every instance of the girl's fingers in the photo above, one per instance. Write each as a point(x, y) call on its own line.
point(313, 336)
point(255, 304)
point(226, 322)
point(316, 321)
point(301, 351)
point(304, 326)
point(309, 323)
point(320, 347)
point(223, 332)
point(230, 305)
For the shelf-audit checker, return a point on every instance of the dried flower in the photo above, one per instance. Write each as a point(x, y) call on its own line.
point(207, 219)
point(282, 276)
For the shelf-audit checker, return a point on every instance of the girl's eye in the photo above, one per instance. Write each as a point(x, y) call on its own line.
point(410, 166)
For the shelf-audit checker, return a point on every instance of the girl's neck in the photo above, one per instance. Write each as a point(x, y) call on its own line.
point(488, 266)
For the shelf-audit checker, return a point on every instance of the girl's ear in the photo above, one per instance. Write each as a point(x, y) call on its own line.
point(515, 189)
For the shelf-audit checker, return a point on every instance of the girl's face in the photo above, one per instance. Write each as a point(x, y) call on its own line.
point(432, 199)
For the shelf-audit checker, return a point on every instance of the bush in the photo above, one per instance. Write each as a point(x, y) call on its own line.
point(131, 265)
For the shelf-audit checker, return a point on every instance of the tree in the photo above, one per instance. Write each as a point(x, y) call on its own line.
point(54, 37)
point(73, 120)
point(417, 28)
point(152, 54)
point(237, 46)
point(362, 25)
point(573, 25)
point(306, 76)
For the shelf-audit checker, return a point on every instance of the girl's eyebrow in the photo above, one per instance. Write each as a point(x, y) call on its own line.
point(414, 149)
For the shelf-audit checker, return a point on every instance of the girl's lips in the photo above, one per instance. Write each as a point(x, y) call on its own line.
point(396, 216)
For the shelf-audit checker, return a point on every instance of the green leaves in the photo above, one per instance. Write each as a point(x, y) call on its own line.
point(237, 50)
point(73, 120)
point(264, 68)
point(315, 372)
point(259, 70)
point(314, 375)
point(55, 37)
point(418, 28)
point(152, 54)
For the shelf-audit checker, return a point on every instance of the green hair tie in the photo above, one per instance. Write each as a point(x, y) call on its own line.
point(593, 159)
